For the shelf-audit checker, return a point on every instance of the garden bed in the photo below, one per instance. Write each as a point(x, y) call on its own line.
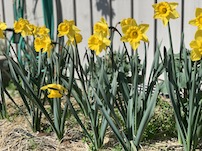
point(16, 134)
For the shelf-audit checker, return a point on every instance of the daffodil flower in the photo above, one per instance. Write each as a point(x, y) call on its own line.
point(133, 33)
point(23, 26)
point(126, 23)
point(43, 44)
point(98, 43)
point(198, 20)
point(42, 31)
point(71, 40)
point(101, 27)
point(196, 45)
point(165, 11)
point(54, 90)
point(68, 28)
point(3, 27)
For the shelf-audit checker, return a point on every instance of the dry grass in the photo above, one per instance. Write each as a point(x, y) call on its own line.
point(16, 135)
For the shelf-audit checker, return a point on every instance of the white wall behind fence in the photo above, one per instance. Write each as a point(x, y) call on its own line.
point(142, 12)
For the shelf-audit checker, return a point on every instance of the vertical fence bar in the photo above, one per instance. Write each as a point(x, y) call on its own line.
point(91, 16)
point(25, 9)
point(3, 18)
point(59, 20)
point(182, 18)
point(131, 9)
point(3, 11)
point(132, 15)
point(155, 31)
point(74, 7)
point(110, 12)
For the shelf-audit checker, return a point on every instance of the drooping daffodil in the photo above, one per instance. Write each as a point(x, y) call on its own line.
point(54, 90)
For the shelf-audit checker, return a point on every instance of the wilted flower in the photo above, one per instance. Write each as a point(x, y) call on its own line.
point(133, 33)
point(3, 27)
point(198, 20)
point(98, 43)
point(101, 27)
point(55, 90)
point(43, 44)
point(69, 29)
point(165, 11)
point(196, 45)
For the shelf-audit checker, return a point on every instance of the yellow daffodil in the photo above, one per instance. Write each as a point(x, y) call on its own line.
point(54, 90)
point(134, 33)
point(66, 28)
point(195, 55)
point(3, 27)
point(77, 38)
point(43, 44)
point(33, 29)
point(69, 29)
point(196, 46)
point(42, 31)
point(126, 23)
point(165, 11)
point(198, 20)
point(98, 43)
point(101, 27)
point(22, 26)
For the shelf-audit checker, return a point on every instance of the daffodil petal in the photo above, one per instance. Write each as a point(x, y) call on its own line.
point(198, 11)
point(195, 55)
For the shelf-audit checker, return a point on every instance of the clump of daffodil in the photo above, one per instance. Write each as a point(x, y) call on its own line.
point(24, 27)
point(99, 40)
point(196, 45)
point(133, 33)
point(54, 90)
point(3, 27)
point(198, 20)
point(165, 11)
point(69, 29)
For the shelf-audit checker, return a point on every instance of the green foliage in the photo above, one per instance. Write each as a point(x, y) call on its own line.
point(48, 16)
point(183, 82)
point(112, 85)
point(36, 71)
